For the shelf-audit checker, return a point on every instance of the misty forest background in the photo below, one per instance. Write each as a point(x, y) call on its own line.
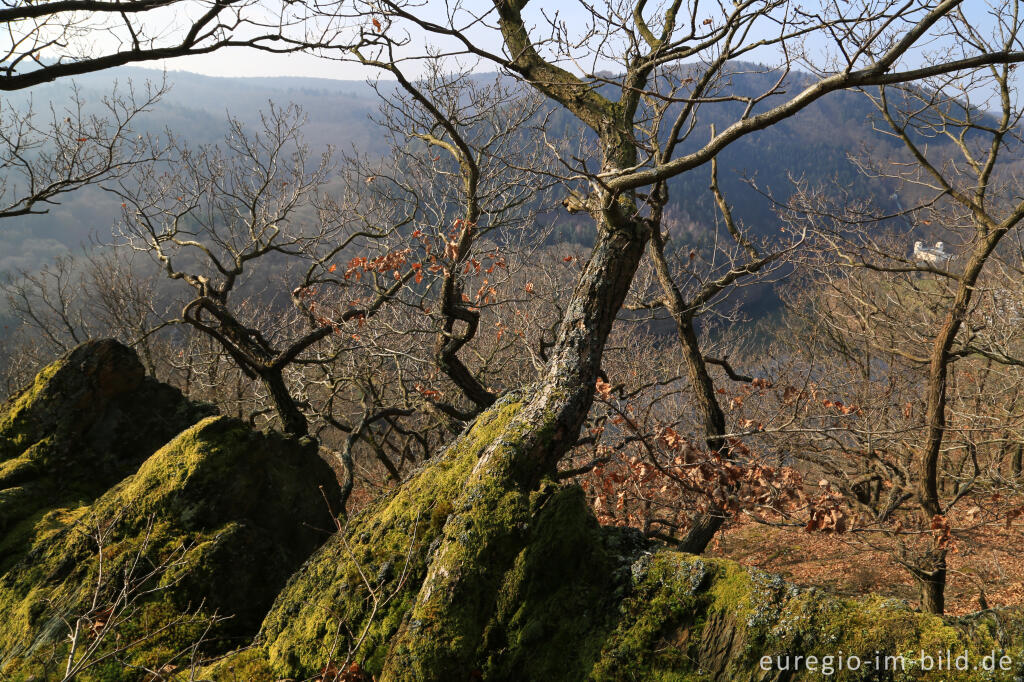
point(816, 143)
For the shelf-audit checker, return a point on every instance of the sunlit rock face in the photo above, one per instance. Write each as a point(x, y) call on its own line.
point(87, 421)
point(132, 514)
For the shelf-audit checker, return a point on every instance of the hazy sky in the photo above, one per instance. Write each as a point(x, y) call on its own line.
point(245, 62)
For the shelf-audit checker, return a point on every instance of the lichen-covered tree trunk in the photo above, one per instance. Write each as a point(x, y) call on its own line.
point(488, 525)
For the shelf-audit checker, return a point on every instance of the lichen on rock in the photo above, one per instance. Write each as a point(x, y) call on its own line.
point(574, 601)
point(460, 573)
point(235, 511)
point(359, 587)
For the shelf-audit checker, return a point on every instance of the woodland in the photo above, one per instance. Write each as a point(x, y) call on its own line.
point(628, 340)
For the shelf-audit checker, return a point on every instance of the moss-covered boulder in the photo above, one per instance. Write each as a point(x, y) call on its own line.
point(361, 585)
point(87, 421)
point(179, 560)
point(578, 601)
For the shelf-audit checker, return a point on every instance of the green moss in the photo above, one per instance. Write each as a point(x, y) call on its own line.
point(467, 570)
point(86, 422)
point(361, 585)
point(697, 618)
point(244, 666)
point(212, 523)
point(16, 414)
point(459, 575)
point(558, 601)
point(486, 531)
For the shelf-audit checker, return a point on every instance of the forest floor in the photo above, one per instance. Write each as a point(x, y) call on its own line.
point(989, 559)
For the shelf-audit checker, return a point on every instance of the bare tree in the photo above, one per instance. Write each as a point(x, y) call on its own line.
point(454, 206)
point(626, 163)
point(61, 38)
point(208, 217)
point(639, 78)
point(740, 260)
point(44, 155)
point(924, 311)
point(647, 45)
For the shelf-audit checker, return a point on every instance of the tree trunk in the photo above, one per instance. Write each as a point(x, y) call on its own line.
point(932, 582)
point(293, 422)
point(938, 370)
point(486, 531)
point(702, 532)
point(567, 390)
point(933, 594)
point(705, 526)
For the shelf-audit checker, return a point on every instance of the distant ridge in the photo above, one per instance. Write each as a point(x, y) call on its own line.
point(815, 145)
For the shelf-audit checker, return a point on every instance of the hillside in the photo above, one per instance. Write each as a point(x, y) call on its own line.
point(195, 109)
point(814, 144)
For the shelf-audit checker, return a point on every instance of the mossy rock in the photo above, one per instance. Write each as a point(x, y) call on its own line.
point(690, 617)
point(210, 525)
point(328, 605)
point(87, 421)
point(577, 601)
point(530, 588)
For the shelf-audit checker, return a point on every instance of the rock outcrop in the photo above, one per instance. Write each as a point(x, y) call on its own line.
point(87, 421)
point(154, 531)
point(562, 598)
point(223, 521)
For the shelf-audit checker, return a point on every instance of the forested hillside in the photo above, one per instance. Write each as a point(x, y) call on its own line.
point(196, 108)
point(814, 145)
